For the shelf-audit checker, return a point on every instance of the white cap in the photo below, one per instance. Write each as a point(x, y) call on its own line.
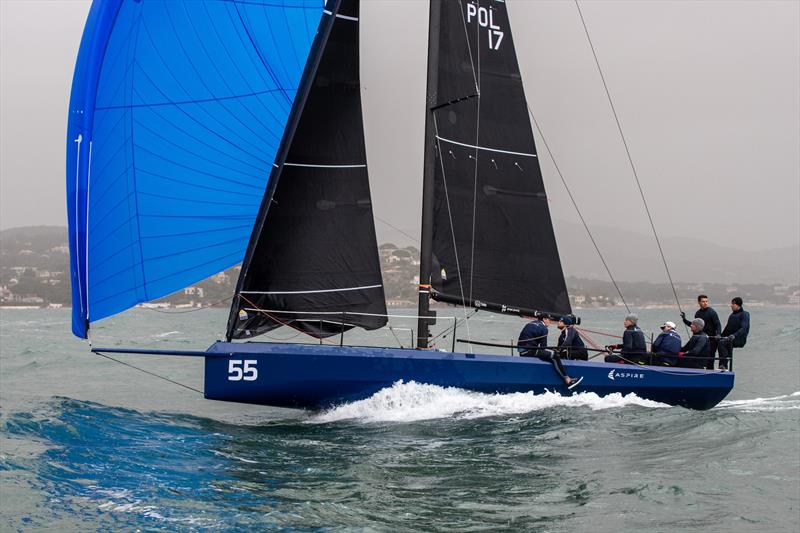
point(668, 323)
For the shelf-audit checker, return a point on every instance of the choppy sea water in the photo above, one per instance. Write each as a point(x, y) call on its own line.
point(88, 444)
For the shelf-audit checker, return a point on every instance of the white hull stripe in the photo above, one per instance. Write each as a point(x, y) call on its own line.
point(485, 148)
point(315, 292)
point(323, 166)
point(338, 16)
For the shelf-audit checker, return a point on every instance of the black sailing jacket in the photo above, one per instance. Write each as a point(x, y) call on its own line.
point(739, 326)
point(633, 342)
point(711, 318)
point(697, 346)
point(572, 344)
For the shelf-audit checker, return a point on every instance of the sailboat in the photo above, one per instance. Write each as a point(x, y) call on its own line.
point(203, 134)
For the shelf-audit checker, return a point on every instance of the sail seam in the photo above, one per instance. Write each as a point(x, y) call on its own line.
point(485, 147)
point(187, 102)
point(364, 287)
point(135, 192)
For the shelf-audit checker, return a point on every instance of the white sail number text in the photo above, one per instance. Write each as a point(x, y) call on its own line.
point(242, 370)
point(485, 18)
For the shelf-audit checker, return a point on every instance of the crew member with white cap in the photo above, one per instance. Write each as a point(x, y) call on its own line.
point(667, 345)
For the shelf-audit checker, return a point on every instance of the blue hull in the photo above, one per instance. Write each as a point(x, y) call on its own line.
point(319, 376)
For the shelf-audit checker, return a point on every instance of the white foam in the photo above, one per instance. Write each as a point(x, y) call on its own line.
point(784, 402)
point(166, 334)
point(409, 402)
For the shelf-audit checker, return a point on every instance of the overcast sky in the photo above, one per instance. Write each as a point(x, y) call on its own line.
point(708, 94)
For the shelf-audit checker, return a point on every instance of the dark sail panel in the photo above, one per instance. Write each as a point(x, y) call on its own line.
point(315, 258)
point(493, 239)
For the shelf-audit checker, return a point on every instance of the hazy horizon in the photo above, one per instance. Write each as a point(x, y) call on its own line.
point(708, 94)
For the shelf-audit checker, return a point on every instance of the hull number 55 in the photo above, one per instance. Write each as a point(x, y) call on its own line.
point(239, 370)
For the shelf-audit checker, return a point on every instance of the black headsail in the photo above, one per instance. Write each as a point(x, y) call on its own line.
point(313, 257)
point(491, 238)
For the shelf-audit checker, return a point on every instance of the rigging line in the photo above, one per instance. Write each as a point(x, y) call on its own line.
point(281, 322)
point(184, 311)
point(414, 239)
point(575, 205)
point(149, 373)
point(458, 321)
point(630, 159)
point(391, 329)
point(452, 227)
point(605, 334)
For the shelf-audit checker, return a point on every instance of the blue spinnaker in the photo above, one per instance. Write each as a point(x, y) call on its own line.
point(176, 113)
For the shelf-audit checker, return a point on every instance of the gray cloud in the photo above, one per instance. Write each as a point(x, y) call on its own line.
point(708, 94)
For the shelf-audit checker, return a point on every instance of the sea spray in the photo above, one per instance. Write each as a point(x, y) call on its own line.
point(411, 401)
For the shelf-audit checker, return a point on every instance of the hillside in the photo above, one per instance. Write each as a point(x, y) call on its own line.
point(34, 270)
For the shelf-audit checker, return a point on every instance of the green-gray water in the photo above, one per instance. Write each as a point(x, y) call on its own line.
point(89, 444)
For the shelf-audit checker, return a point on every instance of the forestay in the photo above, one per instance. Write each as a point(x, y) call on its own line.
point(176, 113)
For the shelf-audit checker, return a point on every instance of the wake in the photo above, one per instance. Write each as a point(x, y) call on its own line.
point(411, 401)
point(785, 402)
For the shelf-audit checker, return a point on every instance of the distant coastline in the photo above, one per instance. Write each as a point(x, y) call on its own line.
point(34, 274)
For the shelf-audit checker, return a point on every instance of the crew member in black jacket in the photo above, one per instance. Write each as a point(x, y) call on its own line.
point(633, 348)
point(735, 333)
point(697, 347)
point(570, 343)
point(712, 325)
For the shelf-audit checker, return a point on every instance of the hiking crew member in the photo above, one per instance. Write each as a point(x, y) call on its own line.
point(712, 327)
point(633, 348)
point(533, 337)
point(697, 347)
point(735, 333)
point(570, 343)
point(534, 334)
point(667, 345)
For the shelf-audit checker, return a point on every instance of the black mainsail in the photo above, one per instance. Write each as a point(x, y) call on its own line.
point(486, 220)
point(313, 257)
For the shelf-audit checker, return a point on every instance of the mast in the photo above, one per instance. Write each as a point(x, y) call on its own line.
point(426, 241)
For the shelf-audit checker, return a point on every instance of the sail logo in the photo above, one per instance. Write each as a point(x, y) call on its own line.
point(614, 374)
point(485, 18)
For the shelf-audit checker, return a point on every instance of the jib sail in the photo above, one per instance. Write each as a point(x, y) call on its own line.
point(313, 259)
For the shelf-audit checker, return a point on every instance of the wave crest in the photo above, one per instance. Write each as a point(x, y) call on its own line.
point(411, 401)
point(784, 402)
